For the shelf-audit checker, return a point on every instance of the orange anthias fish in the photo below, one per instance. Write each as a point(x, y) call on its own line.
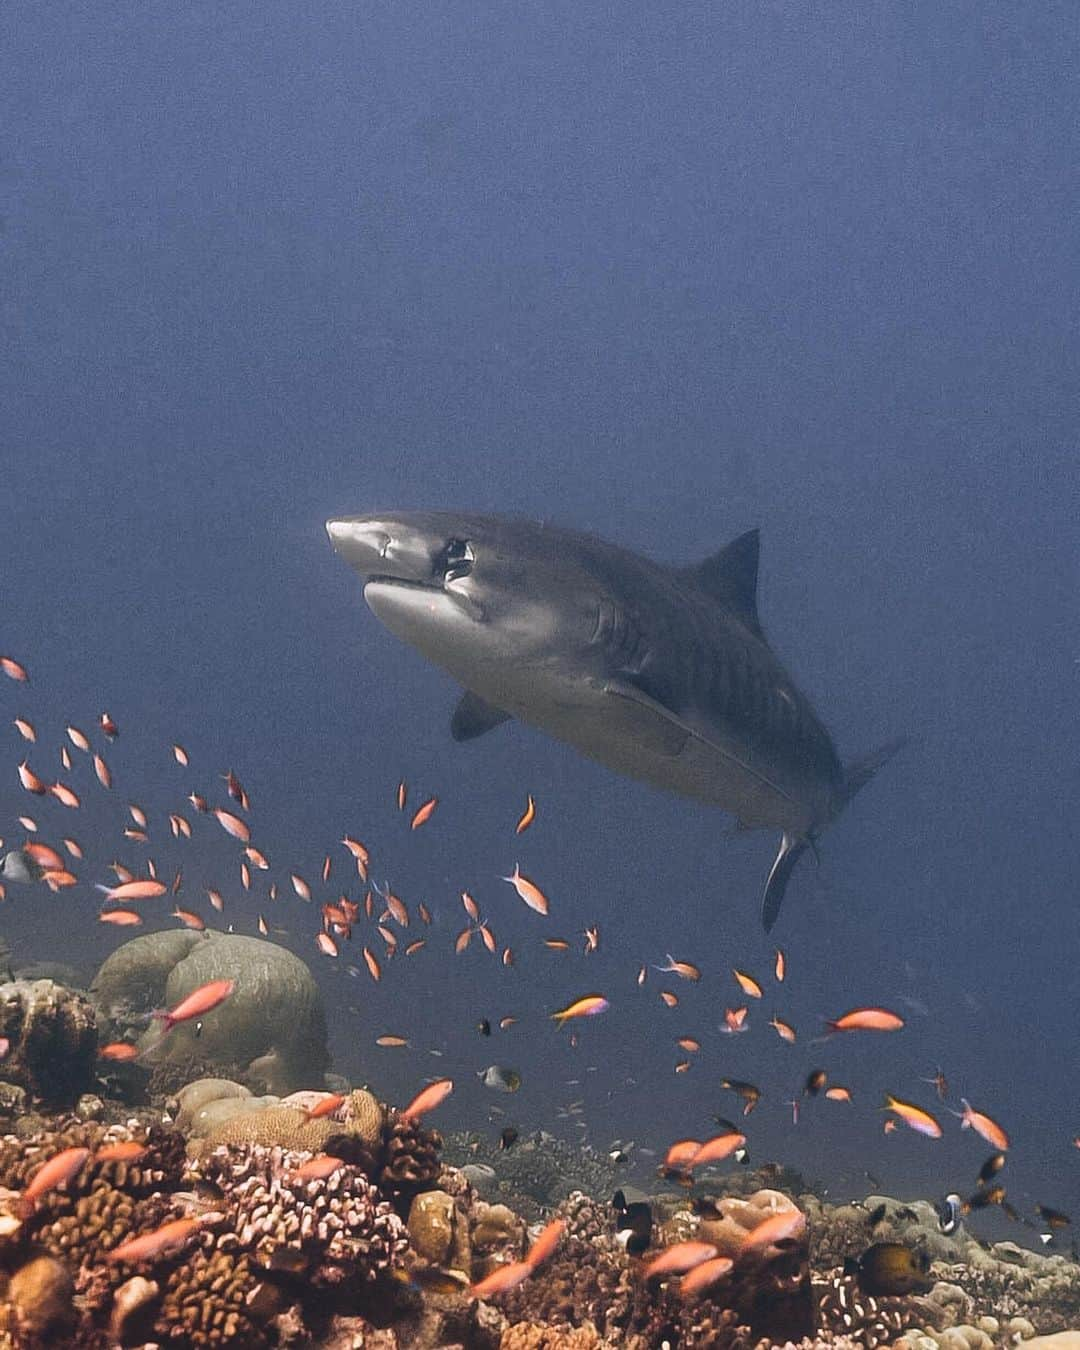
point(423, 813)
point(990, 1130)
point(680, 1153)
point(58, 1170)
point(119, 1050)
point(125, 1150)
point(30, 781)
point(914, 1116)
point(200, 1001)
point(716, 1149)
point(784, 1030)
point(122, 918)
point(164, 1239)
point(684, 969)
point(528, 891)
point(679, 1258)
point(428, 1098)
point(13, 669)
point(781, 1227)
point(44, 856)
point(134, 890)
point(501, 1279)
point(318, 1168)
point(232, 824)
point(747, 984)
point(867, 1019)
point(326, 1107)
point(546, 1242)
point(704, 1275)
point(588, 1006)
point(527, 816)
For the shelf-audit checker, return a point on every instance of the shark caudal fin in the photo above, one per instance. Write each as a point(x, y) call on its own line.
point(791, 850)
point(856, 775)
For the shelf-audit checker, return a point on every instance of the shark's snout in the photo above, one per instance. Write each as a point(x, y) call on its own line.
point(382, 548)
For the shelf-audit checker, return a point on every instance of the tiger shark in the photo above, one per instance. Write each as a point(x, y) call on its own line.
point(660, 672)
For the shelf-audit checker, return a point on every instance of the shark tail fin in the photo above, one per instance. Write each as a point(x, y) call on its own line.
point(859, 772)
point(856, 775)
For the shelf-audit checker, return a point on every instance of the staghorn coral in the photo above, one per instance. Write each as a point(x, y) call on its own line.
point(341, 1223)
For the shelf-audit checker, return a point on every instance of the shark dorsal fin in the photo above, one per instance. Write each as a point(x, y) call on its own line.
point(730, 577)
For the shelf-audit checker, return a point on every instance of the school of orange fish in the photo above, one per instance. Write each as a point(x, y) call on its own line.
point(391, 919)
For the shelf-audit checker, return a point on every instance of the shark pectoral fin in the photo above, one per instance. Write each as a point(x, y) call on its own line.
point(472, 717)
point(790, 851)
point(659, 729)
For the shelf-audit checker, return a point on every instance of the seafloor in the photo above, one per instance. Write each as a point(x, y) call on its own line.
point(388, 1248)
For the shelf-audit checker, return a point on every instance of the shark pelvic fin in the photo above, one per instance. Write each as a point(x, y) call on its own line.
point(859, 772)
point(472, 717)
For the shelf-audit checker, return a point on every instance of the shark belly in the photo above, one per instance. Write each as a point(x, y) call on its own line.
point(634, 738)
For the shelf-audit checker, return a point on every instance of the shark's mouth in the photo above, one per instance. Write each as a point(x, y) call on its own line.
point(452, 563)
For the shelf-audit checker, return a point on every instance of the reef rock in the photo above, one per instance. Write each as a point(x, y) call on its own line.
point(52, 1040)
point(273, 1026)
point(42, 1292)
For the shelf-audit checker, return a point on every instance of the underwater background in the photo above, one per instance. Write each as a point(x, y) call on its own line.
point(662, 273)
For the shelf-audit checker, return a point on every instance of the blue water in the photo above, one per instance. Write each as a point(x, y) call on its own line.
point(660, 274)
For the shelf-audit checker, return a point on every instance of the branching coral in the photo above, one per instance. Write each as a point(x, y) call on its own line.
point(341, 1222)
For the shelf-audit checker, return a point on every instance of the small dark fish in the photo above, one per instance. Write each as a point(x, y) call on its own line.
point(706, 1206)
point(949, 1212)
point(208, 1192)
point(484, 1027)
point(750, 1094)
point(434, 1280)
point(508, 1138)
point(727, 1126)
point(1052, 1217)
point(992, 1195)
point(633, 1223)
point(890, 1268)
point(815, 1081)
point(991, 1167)
point(288, 1261)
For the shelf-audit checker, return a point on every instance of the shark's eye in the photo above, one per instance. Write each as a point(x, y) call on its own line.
point(455, 561)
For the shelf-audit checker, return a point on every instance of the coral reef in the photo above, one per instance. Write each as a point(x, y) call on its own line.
point(273, 1026)
point(537, 1173)
point(341, 1224)
point(379, 1248)
point(52, 1040)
